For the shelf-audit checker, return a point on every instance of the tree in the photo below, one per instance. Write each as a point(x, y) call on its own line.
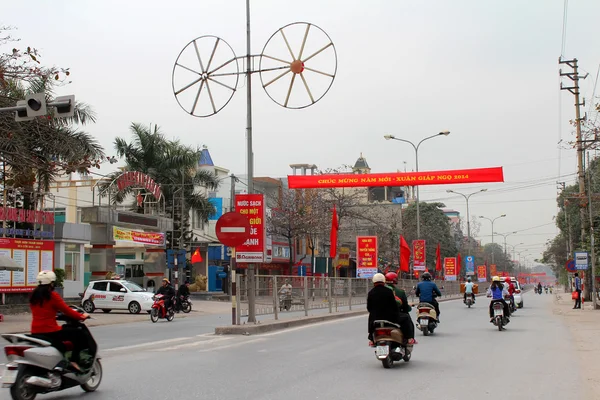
point(173, 166)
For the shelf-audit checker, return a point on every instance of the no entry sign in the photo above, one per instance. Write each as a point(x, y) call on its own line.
point(233, 229)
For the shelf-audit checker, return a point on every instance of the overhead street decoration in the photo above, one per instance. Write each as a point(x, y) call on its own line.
point(479, 175)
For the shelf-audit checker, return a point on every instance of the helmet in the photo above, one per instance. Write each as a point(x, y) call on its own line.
point(378, 278)
point(46, 277)
point(496, 279)
point(426, 276)
point(391, 277)
point(507, 280)
point(468, 279)
point(166, 280)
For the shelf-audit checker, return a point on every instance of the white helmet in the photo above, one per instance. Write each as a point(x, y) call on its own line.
point(379, 278)
point(46, 277)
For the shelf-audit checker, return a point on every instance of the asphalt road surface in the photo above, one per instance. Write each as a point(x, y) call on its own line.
point(466, 358)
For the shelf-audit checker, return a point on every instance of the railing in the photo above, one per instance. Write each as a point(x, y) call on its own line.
point(314, 293)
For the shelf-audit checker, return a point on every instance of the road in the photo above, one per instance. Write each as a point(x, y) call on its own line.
point(466, 358)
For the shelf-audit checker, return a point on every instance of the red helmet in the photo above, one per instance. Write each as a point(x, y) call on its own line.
point(391, 277)
point(507, 280)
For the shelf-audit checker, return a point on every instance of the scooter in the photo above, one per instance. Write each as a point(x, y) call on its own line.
point(389, 343)
point(469, 301)
point(159, 310)
point(426, 318)
point(499, 320)
point(35, 367)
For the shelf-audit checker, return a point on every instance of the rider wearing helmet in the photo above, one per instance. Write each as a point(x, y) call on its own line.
point(406, 324)
point(427, 291)
point(381, 304)
point(45, 303)
point(511, 290)
point(168, 291)
point(497, 291)
point(469, 290)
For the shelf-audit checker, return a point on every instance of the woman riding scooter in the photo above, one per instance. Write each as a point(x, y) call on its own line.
point(497, 292)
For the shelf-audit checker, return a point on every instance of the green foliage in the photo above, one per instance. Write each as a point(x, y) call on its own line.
point(60, 277)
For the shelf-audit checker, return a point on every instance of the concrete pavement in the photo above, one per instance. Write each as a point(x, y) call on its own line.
point(466, 358)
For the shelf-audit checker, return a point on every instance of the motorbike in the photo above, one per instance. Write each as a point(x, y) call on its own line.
point(511, 304)
point(184, 304)
point(35, 367)
point(469, 301)
point(389, 343)
point(426, 318)
point(159, 310)
point(500, 320)
point(285, 302)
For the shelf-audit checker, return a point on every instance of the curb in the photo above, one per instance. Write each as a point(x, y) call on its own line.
point(249, 329)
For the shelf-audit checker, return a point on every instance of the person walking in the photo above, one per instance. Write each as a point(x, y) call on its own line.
point(578, 290)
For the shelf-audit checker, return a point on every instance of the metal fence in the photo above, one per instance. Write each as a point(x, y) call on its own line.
point(312, 293)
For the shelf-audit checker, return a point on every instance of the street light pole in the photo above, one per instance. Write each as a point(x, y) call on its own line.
point(492, 221)
point(505, 235)
point(467, 197)
point(388, 137)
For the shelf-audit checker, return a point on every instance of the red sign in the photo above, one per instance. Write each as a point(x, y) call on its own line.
point(479, 175)
point(233, 229)
point(252, 250)
point(29, 216)
point(450, 268)
point(482, 273)
point(32, 255)
point(419, 256)
point(493, 271)
point(366, 256)
point(134, 178)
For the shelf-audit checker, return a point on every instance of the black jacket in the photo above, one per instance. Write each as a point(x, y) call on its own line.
point(184, 291)
point(381, 305)
point(168, 291)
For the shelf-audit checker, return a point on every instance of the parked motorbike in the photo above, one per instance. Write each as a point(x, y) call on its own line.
point(184, 304)
point(390, 345)
point(426, 318)
point(159, 310)
point(500, 320)
point(469, 301)
point(35, 367)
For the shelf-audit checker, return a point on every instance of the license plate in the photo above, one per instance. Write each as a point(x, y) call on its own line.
point(423, 321)
point(497, 312)
point(382, 351)
point(9, 377)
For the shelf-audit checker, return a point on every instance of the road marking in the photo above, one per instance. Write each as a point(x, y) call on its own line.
point(147, 344)
point(233, 229)
point(309, 325)
point(194, 344)
point(232, 345)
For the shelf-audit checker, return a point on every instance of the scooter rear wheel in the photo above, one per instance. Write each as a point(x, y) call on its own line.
point(387, 362)
point(20, 390)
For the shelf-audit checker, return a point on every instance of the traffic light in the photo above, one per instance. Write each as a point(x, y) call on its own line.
point(35, 106)
point(65, 111)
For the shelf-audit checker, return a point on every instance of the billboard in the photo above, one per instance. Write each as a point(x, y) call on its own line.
point(147, 238)
point(450, 268)
point(419, 255)
point(253, 207)
point(482, 273)
point(33, 255)
point(366, 256)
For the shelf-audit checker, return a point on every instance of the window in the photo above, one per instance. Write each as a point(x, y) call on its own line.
point(72, 261)
point(60, 214)
point(100, 286)
point(115, 287)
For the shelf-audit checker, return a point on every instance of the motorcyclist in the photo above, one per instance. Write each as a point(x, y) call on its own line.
point(406, 324)
point(427, 291)
point(497, 291)
point(183, 293)
point(511, 291)
point(168, 292)
point(44, 304)
point(540, 287)
point(381, 304)
point(469, 290)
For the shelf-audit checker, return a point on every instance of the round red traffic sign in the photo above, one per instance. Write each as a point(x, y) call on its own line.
point(233, 229)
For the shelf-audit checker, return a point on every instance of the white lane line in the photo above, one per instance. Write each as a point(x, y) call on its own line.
point(309, 326)
point(147, 344)
point(231, 345)
point(194, 344)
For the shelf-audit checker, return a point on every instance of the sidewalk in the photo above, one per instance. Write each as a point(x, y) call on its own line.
point(584, 325)
point(21, 322)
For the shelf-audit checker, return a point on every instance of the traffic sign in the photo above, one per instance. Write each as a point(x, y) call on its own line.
point(570, 265)
point(233, 229)
point(581, 260)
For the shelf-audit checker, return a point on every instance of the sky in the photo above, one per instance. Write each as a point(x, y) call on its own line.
point(486, 71)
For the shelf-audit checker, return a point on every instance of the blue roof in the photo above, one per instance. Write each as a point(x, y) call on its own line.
point(205, 158)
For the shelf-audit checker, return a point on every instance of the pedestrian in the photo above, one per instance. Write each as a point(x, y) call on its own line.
point(578, 290)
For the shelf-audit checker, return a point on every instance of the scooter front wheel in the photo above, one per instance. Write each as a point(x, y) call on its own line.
point(154, 315)
point(92, 384)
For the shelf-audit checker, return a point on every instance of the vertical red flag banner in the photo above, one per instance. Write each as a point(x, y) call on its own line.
point(253, 207)
point(366, 256)
point(404, 255)
point(458, 264)
point(333, 234)
point(493, 271)
point(438, 258)
point(196, 257)
point(419, 256)
point(482, 273)
point(450, 268)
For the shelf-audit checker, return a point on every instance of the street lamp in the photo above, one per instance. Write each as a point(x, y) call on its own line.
point(492, 221)
point(467, 197)
point(514, 246)
point(504, 235)
point(392, 137)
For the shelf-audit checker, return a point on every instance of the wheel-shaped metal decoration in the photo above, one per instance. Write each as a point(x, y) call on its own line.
point(205, 76)
point(308, 65)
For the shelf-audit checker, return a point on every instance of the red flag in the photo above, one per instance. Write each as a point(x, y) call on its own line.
point(333, 234)
point(196, 257)
point(404, 255)
point(438, 259)
point(458, 264)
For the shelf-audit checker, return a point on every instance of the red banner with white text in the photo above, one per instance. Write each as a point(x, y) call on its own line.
point(419, 255)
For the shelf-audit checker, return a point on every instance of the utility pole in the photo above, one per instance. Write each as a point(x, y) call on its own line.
point(592, 244)
point(574, 76)
point(181, 239)
point(232, 265)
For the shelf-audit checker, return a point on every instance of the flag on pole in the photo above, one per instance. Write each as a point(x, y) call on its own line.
point(404, 255)
point(458, 264)
point(438, 258)
point(334, 233)
point(196, 257)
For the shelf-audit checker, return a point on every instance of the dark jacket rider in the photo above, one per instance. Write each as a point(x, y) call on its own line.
point(168, 291)
point(427, 292)
point(381, 304)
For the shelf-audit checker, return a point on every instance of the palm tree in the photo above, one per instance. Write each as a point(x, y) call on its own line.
point(172, 165)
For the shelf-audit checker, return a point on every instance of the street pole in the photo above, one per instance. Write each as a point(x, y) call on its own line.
point(492, 221)
point(181, 239)
point(592, 244)
point(250, 159)
point(467, 197)
point(232, 266)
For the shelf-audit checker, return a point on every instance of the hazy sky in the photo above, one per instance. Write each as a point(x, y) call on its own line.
point(485, 70)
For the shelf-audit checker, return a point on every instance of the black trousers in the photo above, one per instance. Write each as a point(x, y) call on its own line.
point(436, 305)
point(578, 300)
point(470, 294)
point(407, 326)
point(66, 334)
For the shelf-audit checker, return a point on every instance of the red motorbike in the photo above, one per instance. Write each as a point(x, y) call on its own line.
point(159, 310)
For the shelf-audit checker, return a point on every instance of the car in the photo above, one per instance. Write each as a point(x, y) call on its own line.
point(108, 295)
point(518, 292)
